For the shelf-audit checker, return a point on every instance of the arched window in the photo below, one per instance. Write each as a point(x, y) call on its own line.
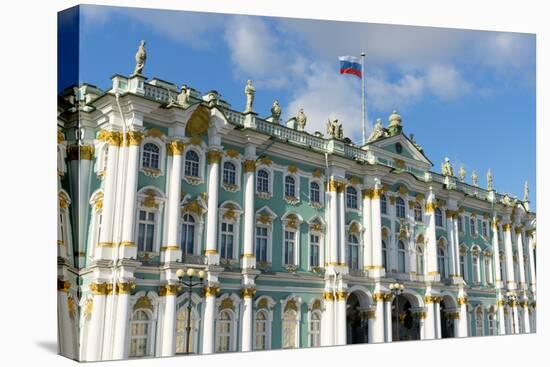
point(227, 240)
point(491, 322)
point(140, 327)
point(224, 332)
point(352, 253)
point(383, 204)
point(261, 331)
point(290, 329)
point(351, 197)
point(146, 231)
point(188, 234)
point(401, 257)
point(419, 261)
point(315, 329)
point(290, 186)
point(261, 243)
point(400, 207)
point(191, 164)
point(479, 321)
point(488, 269)
point(151, 156)
point(484, 230)
point(229, 173)
point(441, 262)
point(438, 217)
point(417, 212)
point(262, 181)
point(314, 193)
point(384, 255)
point(181, 332)
point(472, 226)
point(475, 267)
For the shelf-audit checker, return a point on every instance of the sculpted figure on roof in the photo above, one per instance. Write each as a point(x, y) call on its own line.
point(141, 56)
point(446, 168)
point(301, 120)
point(276, 111)
point(249, 90)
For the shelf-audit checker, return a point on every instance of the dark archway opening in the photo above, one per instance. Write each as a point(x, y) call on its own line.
point(356, 321)
point(404, 325)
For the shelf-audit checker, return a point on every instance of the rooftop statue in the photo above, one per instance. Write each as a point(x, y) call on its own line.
point(462, 173)
point(334, 129)
point(141, 56)
point(183, 97)
point(394, 126)
point(301, 119)
point(276, 112)
point(446, 168)
point(377, 132)
point(417, 146)
point(474, 178)
point(526, 192)
point(489, 180)
point(249, 90)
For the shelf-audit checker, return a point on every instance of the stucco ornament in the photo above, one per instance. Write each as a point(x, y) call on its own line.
point(417, 146)
point(301, 119)
point(334, 129)
point(489, 180)
point(378, 132)
point(141, 56)
point(183, 97)
point(249, 91)
point(446, 168)
point(462, 173)
point(276, 111)
point(474, 178)
point(526, 192)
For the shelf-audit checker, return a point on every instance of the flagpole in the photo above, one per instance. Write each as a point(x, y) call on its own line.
point(363, 106)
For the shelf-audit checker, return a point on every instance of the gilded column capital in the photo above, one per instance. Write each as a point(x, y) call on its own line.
point(388, 297)
point(125, 288)
point(529, 232)
point(506, 227)
point(462, 300)
point(134, 137)
point(428, 299)
point(517, 230)
point(367, 193)
point(214, 156)
point(248, 292)
point(101, 289)
point(82, 152)
point(211, 291)
point(430, 207)
point(111, 137)
point(60, 137)
point(249, 165)
point(341, 295)
point(501, 303)
point(63, 285)
point(328, 296)
point(175, 147)
point(378, 297)
point(168, 290)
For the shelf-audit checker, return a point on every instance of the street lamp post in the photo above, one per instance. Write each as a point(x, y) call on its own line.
point(190, 273)
point(396, 289)
point(512, 298)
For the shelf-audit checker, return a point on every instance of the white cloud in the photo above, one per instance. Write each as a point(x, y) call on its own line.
point(383, 94)
point(445, 81)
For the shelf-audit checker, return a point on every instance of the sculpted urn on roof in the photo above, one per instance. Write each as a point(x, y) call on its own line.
point(394, 126)
point(141, 56)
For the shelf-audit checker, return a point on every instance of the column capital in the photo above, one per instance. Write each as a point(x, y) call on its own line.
point(82, 152)
point(248, 292)
point(125, 288)
point(134, 138)
point(214, 156)
point(506, 227)
point(63, 285)
point(175, 147)
point(111, 137)
point(211, 290)
point(249, 165)
point(328, 296)
point(462, 300)
point(341, 295)
point(169, 290)
point(101, 289)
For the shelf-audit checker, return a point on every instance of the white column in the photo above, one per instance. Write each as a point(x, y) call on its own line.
point(327, 335)
point(96, 323)
point(376, 232)
point(502, 327)
point(521, 262)
point(378, 320)
point(509, 256)
point(388, 318)
point(429, 328)
point(249, 258)
point(531, 259)
point(392, 245)
point(171, 249)
point(451, 242)
point(247, 319)
point(456, 323)
point(342, 223)
point(463, 321)
point(526, 321)
point(431, 247)
point(496, 254)
point(209, 320)
point(437, 319)
point(168, 346)
point(120, 342)
point(85, 156)
point(340, 304)
point(65, 341)
point(367, 235)
point(127, 246)
point(212, 255)
point(333, 221)
point(371, 316)
point(456, 245)
point(105, 245)
point(515, 314)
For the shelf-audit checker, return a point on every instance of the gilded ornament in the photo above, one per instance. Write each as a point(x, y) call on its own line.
point(318, 227)
point(392, 199)
point(462, 300)
point(430, 207)
point(154, 133)
point(232, 153)
point(101, 289)
point(371, 314)
point(149, 201)
point(248, 292)
point(517, 230)
point(292, 168)
point(195, 140)
point(226, 304)
point(291, 305)
point(60, 137)
point(144, 302)
point(168, 290)
point(88, 308)
point(263, 303)
point(211, 291)
point(506, 227)
point(214, 156)
point(134, 138)
point(265, 160)
point(316, 305)
point(175, 147)
point(354, 180)
point(367, 193)
point(341, 295)
point(378, 297)
point(399, 163)
point(125, 288)
point(264, 218)
point(377, 192)
point(72, 307)
point(113, 138)
point(419, 198)
point(403, 190)
point(63, 285)
point(192, 207)
point(316, 173)
point(230, 214)
point(198, 122)
point(328, 296)
point(412, 203)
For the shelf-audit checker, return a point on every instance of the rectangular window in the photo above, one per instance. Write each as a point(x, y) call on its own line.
point(227, 240)
point(472, 227)
point(289, 248)
point(261, 243)
point(146, 231)
point(484, 228)
point(313, 250)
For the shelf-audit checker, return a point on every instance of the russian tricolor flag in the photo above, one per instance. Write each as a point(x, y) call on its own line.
point(350, 65)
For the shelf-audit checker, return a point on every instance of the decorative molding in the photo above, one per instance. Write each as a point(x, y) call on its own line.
point(144, 302)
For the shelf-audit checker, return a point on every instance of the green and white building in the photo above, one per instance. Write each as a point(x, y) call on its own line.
point(300, 235)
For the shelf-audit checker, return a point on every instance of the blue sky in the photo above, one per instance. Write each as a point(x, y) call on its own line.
point(466, 95)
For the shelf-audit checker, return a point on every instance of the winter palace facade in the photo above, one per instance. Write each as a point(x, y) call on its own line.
point(301, 237)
